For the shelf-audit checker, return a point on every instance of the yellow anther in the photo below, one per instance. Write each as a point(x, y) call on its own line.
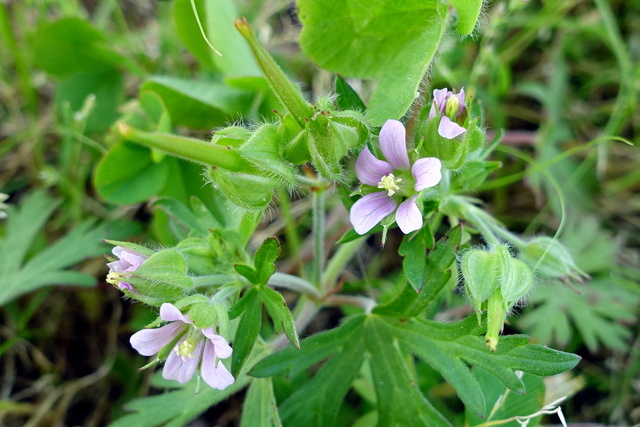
point(185, 350)
point(389, 183)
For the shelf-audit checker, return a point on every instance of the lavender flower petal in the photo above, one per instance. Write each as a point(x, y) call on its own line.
point(213, 371)
point(181, 370)
point(408, 216)
point(370, 210)
point(393, 144)
point(426, 172)
point(148, 342)
point(222, 348)
point(461, 98)
point(439, 102)
point(169, 312)
point(449, 129)
point(369, 169)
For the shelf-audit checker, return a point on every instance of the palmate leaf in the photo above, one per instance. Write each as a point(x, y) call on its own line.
point(451, 349)
point(599, 314)
point(375, 39)
point(18, 275)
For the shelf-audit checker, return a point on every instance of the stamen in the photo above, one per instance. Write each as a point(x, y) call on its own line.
point(185, 349)
point(389, 183)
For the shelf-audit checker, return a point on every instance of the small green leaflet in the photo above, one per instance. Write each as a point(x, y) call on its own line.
point(18, 275)
point(599, 314)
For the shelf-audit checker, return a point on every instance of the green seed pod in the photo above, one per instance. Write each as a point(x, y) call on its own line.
point(496, 316)
point(550, 258)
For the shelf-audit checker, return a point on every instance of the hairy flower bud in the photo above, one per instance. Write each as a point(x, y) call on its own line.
point(550, 258)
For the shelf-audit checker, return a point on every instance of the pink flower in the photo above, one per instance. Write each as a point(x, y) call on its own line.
point(451, 107)
point(128, 261)
point(400, 180)
point(196, 347)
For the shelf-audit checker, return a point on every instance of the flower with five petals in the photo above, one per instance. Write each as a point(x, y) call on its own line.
point(399, 178)
point(196, 347)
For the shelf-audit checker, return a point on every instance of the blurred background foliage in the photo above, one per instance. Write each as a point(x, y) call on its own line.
point(559, 78)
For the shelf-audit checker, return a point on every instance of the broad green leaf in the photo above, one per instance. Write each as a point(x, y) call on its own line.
point(236, 59)
point(199, 104)
point(19, 276)
point(413, 249)
point(510, 404)
point(265, 258)
point(217, 18)
point(248, 330)
point(400, 402)
point(348, 99)
point(189, 32)
point(128, 175)
point(176, 408)
point(291, 361)
point(199, 226)
point(468, 12)
point(71, 45)
point(282, 318)
point(438, 267)
point(379, 39)
point(260, 408)
point(105, 84)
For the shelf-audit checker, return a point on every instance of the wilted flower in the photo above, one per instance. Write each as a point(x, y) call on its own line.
point(397, 177)
point(452, 107)
point(196, 347)
point(128, 261)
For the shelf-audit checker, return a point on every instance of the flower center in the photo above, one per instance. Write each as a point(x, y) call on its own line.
point(114, 278)
point(186, 349)
point(389, 183)
point(452, 105)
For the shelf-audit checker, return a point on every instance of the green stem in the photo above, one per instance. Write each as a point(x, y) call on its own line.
point(290, 230)
point(288, 94)
point(294, 283)
point(353, 300)
point(342, 256)
point(318, 223)
point(187, 148)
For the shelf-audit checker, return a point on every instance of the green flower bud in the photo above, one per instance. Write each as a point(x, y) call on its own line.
point(451, 152)
point(253, 187)
point(198, 255)
point(488, 272)
point(480, 270)
point(451, 107)
point(163, 276)
point(548, 257)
